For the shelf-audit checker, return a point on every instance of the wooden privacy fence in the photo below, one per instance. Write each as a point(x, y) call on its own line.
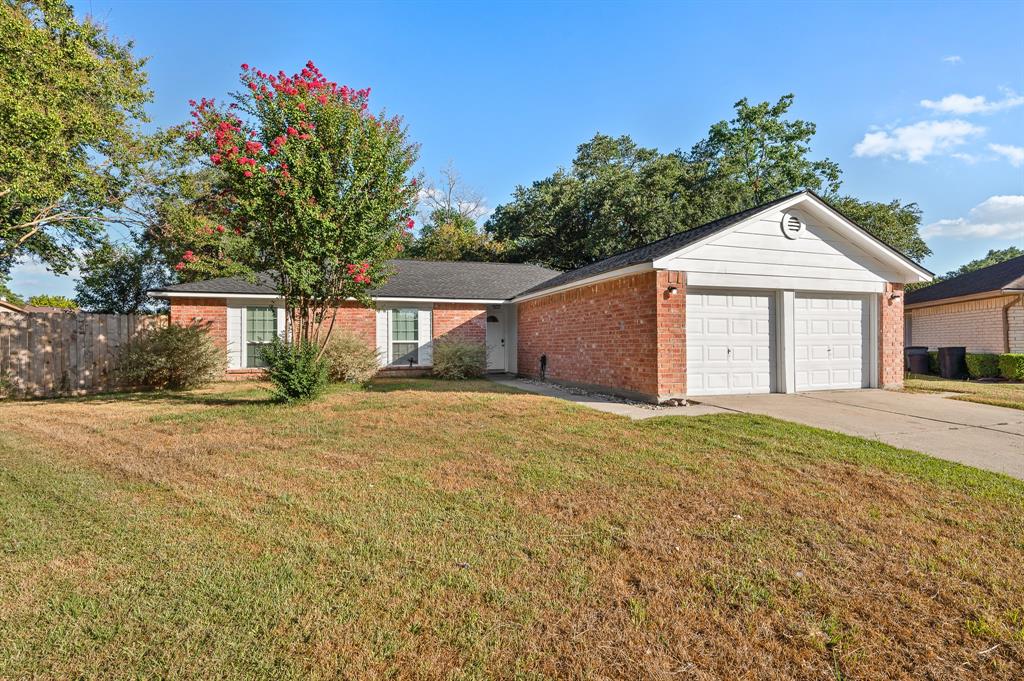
point(66, 353)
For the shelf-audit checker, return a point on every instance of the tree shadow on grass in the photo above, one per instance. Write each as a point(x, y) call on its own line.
point(436, 385)
point(243, 397)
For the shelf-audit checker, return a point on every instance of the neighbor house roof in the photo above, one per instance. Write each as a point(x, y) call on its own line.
point(1005, 276)
point(411, 279)
point(8, 305)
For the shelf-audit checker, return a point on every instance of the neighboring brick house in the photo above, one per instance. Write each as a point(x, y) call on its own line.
point(982, 310)
point(785, 297)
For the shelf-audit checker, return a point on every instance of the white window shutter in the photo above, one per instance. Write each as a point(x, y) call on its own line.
point(280, 323)
point(236, 336)
point(383, 356)
point(426, 337)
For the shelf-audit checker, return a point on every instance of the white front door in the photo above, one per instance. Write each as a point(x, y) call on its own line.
point(830, 340)
point(495, 339)
point(729, 347)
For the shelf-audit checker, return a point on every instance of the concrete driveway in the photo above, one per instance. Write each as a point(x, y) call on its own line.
point(974, 434)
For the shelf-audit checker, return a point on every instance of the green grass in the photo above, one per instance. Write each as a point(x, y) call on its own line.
point(423, 529)
point(1004, 394)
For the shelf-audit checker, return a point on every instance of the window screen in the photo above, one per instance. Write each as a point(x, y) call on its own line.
point(260, 329)
point(405, 336)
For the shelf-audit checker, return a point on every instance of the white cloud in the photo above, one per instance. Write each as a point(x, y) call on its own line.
point(996, 216)
point(1013, 154)
point(969, 159)
point(952, 59)
point(917, 141)
point(962, 105)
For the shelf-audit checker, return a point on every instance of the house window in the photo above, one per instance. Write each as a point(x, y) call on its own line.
point(405, 336)
point(260, 329)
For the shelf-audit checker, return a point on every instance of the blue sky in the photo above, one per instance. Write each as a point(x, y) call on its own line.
point(918, 101)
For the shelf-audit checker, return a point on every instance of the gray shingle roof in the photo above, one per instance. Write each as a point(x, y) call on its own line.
point(411, 279)
point(1008, 275)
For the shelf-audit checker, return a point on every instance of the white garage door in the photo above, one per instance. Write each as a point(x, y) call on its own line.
point(729, 346)
point(831, 332)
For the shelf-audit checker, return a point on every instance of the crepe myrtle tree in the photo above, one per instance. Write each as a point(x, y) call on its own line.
point(319, 184)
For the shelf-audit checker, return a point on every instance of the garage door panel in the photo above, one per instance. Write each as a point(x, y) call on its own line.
point(729, 342)
point(830, 336)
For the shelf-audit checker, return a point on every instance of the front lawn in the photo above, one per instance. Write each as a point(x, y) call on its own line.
point(437, 530)
point(1003, 394)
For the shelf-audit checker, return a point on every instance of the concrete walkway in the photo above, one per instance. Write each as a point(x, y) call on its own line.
point(610, 406)
point(978, 435)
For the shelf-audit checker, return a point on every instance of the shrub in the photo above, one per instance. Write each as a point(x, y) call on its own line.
point(297, 370)
point(933, 362)
point(982, 365)
point(457, 360)
point(350, 359)
point(174, 357)
point(1011, 366)
point(6, 385)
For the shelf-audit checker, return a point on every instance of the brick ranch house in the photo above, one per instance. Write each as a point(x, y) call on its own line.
point(982, 310)
point(788, 296)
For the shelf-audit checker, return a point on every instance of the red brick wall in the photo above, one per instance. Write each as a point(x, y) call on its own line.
point(890, 355)
point(671, 334)
point(610, 334)
point(356, 319)
point(212, 313)
point(458, 321)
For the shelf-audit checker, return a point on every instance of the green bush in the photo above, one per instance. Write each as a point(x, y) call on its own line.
point(1011, 366)
point(350, 359)
point(297, 370)
point(174, 357)
point(933, 363)
point(982, 365)
point(457, 360)
point(6, 386)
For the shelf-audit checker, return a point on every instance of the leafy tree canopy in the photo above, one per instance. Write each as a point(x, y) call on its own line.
point(450, 231)
point(895, 223)
point(450, 236)
point(71, 99)
point(618, 195)
point(993, 257)
point(10, 296)
point(45, 300)
point(116, 277)
point(319, 184)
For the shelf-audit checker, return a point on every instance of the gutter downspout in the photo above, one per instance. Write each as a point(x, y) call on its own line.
point(1006, 320)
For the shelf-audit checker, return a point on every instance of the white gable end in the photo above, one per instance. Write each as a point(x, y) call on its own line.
point(756, 253)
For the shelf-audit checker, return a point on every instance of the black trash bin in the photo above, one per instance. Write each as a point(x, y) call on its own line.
point(917, 359)
point(953, 362)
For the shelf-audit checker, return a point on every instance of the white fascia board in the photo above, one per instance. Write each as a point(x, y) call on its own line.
point(199, 294)
point(468, 301)
point(613, 274)
point(855, 234)
point(271, 296)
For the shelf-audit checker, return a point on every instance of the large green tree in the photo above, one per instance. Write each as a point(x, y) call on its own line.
point(115, 278)
point(71, 100)
point(756, 157)
point(618, 195)
point(895, 223)
point(319, 184)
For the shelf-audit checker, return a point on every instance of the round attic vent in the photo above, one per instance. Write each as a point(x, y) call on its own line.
point(792, 226)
